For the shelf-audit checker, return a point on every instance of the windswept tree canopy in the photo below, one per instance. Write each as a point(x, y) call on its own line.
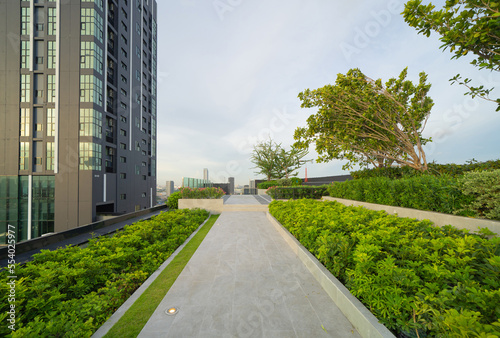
point(465, 26)
point(274, 161)
point(365, 122)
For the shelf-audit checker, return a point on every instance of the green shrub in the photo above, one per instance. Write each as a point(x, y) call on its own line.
point(173, 200)
point(267, 184)
point(425, 192)
point(71, 292)
point(484, 188)
point(454, 170)
point(295, 181)
point(412, 276)
point(314, 192)
point(202, 193)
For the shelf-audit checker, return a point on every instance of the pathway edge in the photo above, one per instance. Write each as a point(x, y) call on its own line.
point(117, 315)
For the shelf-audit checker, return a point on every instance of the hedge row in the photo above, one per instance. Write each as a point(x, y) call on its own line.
point(284, 182)
point(413, 277)
point(476, 194)
point(314, 192)
point(71, 292)
point(454, 170)
point(432, 193)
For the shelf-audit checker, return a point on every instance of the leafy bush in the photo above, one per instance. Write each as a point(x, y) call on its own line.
point(267, 184)
point(71, 292)
point(411, 275)
point(203, 193)
point(284, 182)
point(454, 170)
point(173, 200)
point(426, 192)
point(315, 192)
point(484, 188)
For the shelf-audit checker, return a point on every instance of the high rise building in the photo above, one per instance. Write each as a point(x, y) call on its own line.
point(77, 112)
point(205, 174)
point(170, 188)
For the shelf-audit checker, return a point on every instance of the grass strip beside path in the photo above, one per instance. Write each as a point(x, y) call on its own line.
point(132, 322)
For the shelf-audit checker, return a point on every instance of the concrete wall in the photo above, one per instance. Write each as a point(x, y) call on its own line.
point(214, 206)
point(439, 219)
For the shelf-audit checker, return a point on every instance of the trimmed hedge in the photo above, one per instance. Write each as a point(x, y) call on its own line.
point(71, 292)
point(284, 182)
point(484, 188)
point(173, 200)
point(454, 170)
point(314, 192)
point(414, 277)
point(426, 192)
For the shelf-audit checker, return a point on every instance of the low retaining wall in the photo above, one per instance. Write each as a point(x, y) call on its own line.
point(360, 317)
point(439, 219)
point(215, 206)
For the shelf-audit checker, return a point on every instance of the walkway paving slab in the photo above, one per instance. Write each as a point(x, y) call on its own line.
point(245, 281)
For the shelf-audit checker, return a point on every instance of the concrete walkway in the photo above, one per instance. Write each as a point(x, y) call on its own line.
point(245, 281)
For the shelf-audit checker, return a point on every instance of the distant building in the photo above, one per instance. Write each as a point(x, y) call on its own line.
point(77, 111)
point(231, 185)
point(170, 188)
point(205, 174)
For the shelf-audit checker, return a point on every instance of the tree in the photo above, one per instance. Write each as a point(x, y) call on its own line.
point(275, 162)
point(465, 26)
point(362, 121)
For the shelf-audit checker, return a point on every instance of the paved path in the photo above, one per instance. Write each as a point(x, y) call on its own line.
point(245, 281)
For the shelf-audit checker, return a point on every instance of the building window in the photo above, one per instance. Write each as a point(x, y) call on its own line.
point(143, 164)
point(123, 118)
point(25, 54)
point(90, 89)
point(51, 54)
point(91, 56)
point(124, 79)
point(24, 154)
point(123, 176)
point(123, 105)
point(123, 92)
point(124, 53)
point(97, 2)
point(39, 27)
point(25, 21)
point(25, 88)
point(90, 123)
point(124, 66)
point(124, 13)
point(123, 146)
point(25, 122)
point(124, 39)
point(137, 169)
point(143, 177)
point(123, 196)
point(50, 156)
point(123, 159)
point(90, 156)
point(91, 23)
point(143, 194)
point(52, 26)
point(124, 26)
point(51, 88)
point(51, 122)
point(123, 132)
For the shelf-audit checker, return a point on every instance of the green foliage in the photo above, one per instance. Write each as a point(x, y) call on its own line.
point(364, 121)
point(424, 192)
point(441, 282)
point(314, 192)
point(454, 170)
point(202, 193)
point(274, 161)
point(484, 188)
point(465, 26)
point(71, 292)
point(173, 200)
point(267, 184)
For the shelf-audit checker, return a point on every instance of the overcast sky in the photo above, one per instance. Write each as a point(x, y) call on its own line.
point(229, 72)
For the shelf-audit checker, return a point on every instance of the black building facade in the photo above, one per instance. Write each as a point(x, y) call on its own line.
point(77, 112)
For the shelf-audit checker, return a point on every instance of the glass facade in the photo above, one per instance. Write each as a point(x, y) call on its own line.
point(51, 54)
point(90, 123)
point(90, 156)
point(14, 204)
point(91, 56)
point(24, 155)
point(99, 3)
point(90, 89)
point(25, 54)
point(51, 88)
point(25, 87)
point(91, 23)
point(25, 21)
point(25, 122)
point(52, 26)
point(195, 183)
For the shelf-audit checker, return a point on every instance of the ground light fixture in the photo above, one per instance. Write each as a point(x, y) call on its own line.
point(171, 311)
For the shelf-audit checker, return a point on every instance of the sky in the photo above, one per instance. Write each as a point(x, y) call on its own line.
point(230, 71)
